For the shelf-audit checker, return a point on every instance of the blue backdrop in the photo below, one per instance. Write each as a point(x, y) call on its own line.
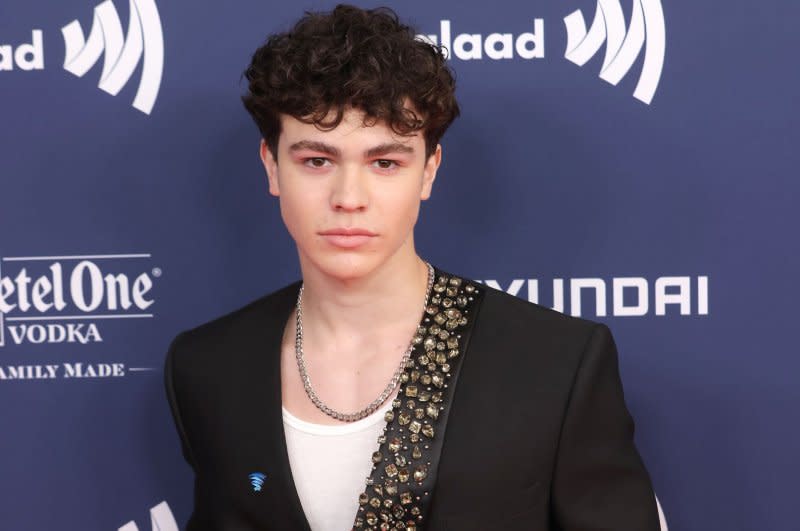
point(133, 205)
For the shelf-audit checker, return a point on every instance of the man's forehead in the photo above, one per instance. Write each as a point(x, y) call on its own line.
point(355, 124)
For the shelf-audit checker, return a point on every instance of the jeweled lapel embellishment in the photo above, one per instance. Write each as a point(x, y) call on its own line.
point(404, 467)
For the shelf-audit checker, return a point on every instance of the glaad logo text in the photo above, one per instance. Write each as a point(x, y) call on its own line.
point(468, 46)
point(27, 56)
point(143, 43)
point(58, 303)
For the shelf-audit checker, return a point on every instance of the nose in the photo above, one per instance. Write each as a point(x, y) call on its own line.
point(350, 190)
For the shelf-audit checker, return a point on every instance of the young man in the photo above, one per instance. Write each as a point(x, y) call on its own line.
point(380, 392)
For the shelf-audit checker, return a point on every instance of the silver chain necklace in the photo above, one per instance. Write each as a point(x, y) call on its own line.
point(375, 404)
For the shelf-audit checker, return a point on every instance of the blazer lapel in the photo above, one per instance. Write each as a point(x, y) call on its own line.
point(276, 505)
point(405, 466)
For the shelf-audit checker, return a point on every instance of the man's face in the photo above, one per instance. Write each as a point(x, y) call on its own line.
point(350, 197)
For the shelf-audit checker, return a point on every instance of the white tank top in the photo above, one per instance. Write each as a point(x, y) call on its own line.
point(330, 465)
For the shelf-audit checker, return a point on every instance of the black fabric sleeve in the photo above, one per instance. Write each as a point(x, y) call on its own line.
point(169, 384)
point(200, 517)
point(600, 482)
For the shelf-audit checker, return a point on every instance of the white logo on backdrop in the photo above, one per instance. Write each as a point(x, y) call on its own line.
point(57, 303)
point(627, 296)
point(662, 520)
point(161, 519)
point(122, 54)
point(64, 300)
point(622, 48)
point(496, 46)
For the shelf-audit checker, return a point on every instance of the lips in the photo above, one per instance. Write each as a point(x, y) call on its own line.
point(347, 238)
point(348, 232)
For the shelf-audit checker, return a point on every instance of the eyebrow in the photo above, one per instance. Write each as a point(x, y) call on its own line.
point(385, 149)
point(315, 146)
point(382, 149)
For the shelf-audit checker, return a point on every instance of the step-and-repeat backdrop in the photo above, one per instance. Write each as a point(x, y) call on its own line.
point(630, 161)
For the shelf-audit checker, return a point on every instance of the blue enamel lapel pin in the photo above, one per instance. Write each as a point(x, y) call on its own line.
point(257, 480)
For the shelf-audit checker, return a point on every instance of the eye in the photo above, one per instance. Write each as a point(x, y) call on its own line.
point(385, 164)
point(316, 162)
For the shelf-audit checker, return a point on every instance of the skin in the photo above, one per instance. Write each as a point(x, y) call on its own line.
point(363, 295)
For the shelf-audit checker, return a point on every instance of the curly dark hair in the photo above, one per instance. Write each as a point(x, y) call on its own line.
point(366, 59)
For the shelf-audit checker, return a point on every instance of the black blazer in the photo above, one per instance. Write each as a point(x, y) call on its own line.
point(537, 437)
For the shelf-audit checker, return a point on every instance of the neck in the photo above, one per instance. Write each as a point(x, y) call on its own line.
point(344, 310)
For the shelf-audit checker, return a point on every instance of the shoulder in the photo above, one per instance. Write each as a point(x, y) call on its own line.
point(228, 333)
point(534, 339)
point(514, 315)
point(509, 316)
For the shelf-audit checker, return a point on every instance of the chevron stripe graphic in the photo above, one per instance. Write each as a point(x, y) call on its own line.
point(161, 519)
point(143, 42)
point(646, 30)
point(2, 324)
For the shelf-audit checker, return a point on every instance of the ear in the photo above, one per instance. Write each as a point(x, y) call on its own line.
point(271, 167)
point(429, 172)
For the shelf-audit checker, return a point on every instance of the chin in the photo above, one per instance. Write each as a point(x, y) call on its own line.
point(346, 266)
